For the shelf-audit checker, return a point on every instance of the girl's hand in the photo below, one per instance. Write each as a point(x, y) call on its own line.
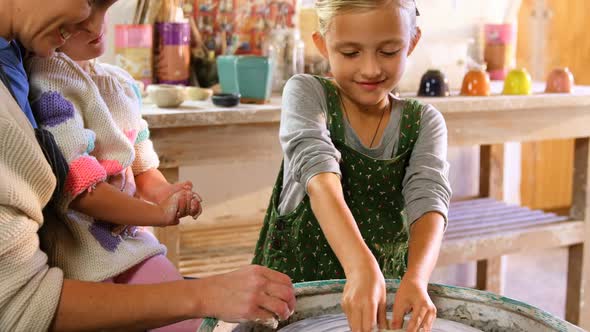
point(413, 297)
point(181, 203)
point(192, 202)
point(163, 192)
point(195, 207)
point(364, 298)
point(175, 207)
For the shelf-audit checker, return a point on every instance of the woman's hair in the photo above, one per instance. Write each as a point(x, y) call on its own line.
point(327, 9)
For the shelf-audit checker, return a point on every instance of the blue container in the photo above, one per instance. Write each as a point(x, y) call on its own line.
point(227, 72)
point(254, 78)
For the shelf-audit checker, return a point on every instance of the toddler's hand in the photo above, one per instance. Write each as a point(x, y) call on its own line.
point(187, 204)
point(163, 192)
point(195, 205)
point(175, 207)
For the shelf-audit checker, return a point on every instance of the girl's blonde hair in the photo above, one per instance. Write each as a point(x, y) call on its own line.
point(327, 9)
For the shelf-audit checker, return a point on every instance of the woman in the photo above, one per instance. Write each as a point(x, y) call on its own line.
point(36, 297)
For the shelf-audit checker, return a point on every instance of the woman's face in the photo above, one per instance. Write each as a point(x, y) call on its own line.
point(44, 25)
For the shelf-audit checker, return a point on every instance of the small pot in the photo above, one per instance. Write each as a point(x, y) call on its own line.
point(476, 83)
point(518, 82)
point(560, 80)
point(434, 84)
point(196, 93)
point(226, 99)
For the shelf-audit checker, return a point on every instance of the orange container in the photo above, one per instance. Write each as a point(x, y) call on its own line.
point(476, 83)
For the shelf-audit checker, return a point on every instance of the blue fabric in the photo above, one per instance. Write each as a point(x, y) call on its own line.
point(11, 60)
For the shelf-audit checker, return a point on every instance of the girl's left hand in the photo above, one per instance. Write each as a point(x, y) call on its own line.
point(413, 297)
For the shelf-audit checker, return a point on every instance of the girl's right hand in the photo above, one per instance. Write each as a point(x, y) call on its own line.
point(364, 298)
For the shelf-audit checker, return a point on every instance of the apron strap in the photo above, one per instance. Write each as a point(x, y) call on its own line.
point(409, 125)
point(334, 118)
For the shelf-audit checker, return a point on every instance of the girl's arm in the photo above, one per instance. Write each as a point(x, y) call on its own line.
point(425, 241)
point(149, 183)
point(364, 297)
point(427, 194)
point(338, 224)
point(152, 186)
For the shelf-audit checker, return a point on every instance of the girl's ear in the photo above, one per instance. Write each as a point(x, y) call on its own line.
point(415, 40)
point(320, 44)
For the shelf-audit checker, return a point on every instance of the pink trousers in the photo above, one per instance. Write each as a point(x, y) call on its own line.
point(155, 270)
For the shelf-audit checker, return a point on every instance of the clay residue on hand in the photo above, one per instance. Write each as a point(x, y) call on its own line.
point(272, 323)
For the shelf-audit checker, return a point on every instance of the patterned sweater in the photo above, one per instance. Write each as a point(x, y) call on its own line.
point(29, 288)
point(96, 121)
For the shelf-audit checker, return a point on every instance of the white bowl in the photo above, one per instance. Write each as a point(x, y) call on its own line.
point(166, 95)
point(196, 93)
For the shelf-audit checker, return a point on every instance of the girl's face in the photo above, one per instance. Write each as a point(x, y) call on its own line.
point(89, 43)
point(44, 25)
point(367, 51)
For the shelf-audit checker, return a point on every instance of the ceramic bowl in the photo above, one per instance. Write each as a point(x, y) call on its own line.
point(226, 99)
point(166, 95)
point(196, 93)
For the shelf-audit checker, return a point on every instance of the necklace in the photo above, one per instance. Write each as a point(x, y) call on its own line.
point(378, 125)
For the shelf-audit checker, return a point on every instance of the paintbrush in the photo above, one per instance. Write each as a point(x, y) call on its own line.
point(137, 14)
point(235, 44)
point(200, 50)
point(144, 7)
point(223, 41)
point(152, 12)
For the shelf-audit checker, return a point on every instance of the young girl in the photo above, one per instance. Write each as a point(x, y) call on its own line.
point(93, 111)
point(364, 177)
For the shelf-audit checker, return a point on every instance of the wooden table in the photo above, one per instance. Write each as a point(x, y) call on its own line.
point(200, 133)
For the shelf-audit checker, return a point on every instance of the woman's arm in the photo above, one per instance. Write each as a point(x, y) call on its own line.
point(260, 294)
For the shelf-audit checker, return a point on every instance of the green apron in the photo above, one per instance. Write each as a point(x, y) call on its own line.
point(295, 244)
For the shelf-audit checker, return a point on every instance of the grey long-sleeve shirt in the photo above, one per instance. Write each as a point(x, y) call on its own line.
point(308, 150)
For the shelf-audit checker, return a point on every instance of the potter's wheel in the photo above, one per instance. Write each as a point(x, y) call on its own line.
point(338, 323)
point(319, 310)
